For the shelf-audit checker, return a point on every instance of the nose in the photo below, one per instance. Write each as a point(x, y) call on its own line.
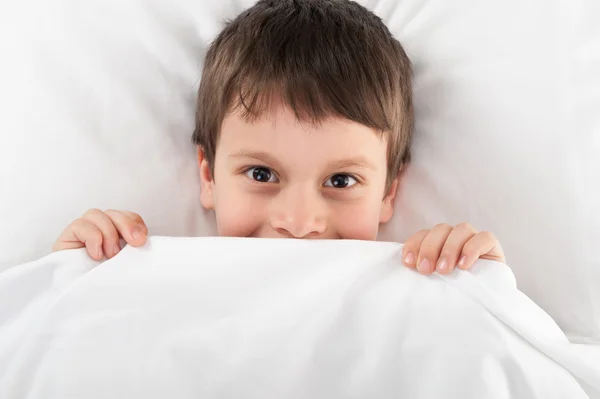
point(298, 212)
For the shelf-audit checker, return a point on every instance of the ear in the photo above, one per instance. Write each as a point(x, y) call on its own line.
point(387, 206)
point(207, 183)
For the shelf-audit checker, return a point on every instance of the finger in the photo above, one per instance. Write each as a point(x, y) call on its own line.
point(129, 228)
point(483, 245)
point(138, 219)
point(110, 236)
point(81, 233)
point(452, 249)
point(411, 249)
point(431, 247)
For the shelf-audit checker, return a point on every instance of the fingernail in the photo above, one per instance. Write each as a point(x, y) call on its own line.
point(462, 261)
point(442, 265)
point(409, 259)
point(116, 249)
point(99, 253)
point(137, 234)
point(424, 266)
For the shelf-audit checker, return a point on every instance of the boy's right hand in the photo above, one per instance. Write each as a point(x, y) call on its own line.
point(100, 232)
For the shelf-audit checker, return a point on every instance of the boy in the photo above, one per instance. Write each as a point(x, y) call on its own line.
point(304, 122)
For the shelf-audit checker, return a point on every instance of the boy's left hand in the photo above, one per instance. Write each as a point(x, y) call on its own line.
point(445, 247)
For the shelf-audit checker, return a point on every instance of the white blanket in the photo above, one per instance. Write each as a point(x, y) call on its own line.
point(258, 318)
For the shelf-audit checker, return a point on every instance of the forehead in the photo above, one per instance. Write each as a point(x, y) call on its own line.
point(280, 133)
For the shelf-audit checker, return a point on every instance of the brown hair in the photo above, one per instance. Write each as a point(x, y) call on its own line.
point(321, 58)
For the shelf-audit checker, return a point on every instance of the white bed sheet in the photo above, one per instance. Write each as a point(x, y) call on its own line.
point(223, 318)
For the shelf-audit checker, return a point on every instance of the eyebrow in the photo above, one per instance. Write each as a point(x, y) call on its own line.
point(358, 162)
point(262, 156)
point(258, 155)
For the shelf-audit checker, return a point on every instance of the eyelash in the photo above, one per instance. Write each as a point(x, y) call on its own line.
point(249, 168)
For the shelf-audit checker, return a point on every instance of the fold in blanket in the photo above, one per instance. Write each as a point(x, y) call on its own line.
point(226, 317)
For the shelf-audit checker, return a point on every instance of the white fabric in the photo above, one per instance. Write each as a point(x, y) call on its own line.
point(508, 137)
point(223, 318)
point(98, 100)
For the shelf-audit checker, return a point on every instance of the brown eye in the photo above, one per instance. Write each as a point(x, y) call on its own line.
point(340, 180)
point(261, 174)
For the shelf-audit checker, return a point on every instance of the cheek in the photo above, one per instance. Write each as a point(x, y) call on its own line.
point(237, 214)
point(357, 221)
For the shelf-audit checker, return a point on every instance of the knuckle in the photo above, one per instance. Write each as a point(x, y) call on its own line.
point(138, 219)
point(83, 226)
point(131, 217)
point(78, 224)
point(113, 215)
point(136, 216)
point(92, 212)
point(89, 234)
point(488, 236)
point(443, 226)
point(466, 227)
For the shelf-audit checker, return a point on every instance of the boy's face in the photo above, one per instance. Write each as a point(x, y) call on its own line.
point(278, 177)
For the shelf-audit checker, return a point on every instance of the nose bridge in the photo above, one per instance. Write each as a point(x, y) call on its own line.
point(299, 211)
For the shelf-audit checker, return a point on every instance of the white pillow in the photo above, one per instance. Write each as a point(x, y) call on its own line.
point(97, 111)
point(98, 105)
point(508, 138)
